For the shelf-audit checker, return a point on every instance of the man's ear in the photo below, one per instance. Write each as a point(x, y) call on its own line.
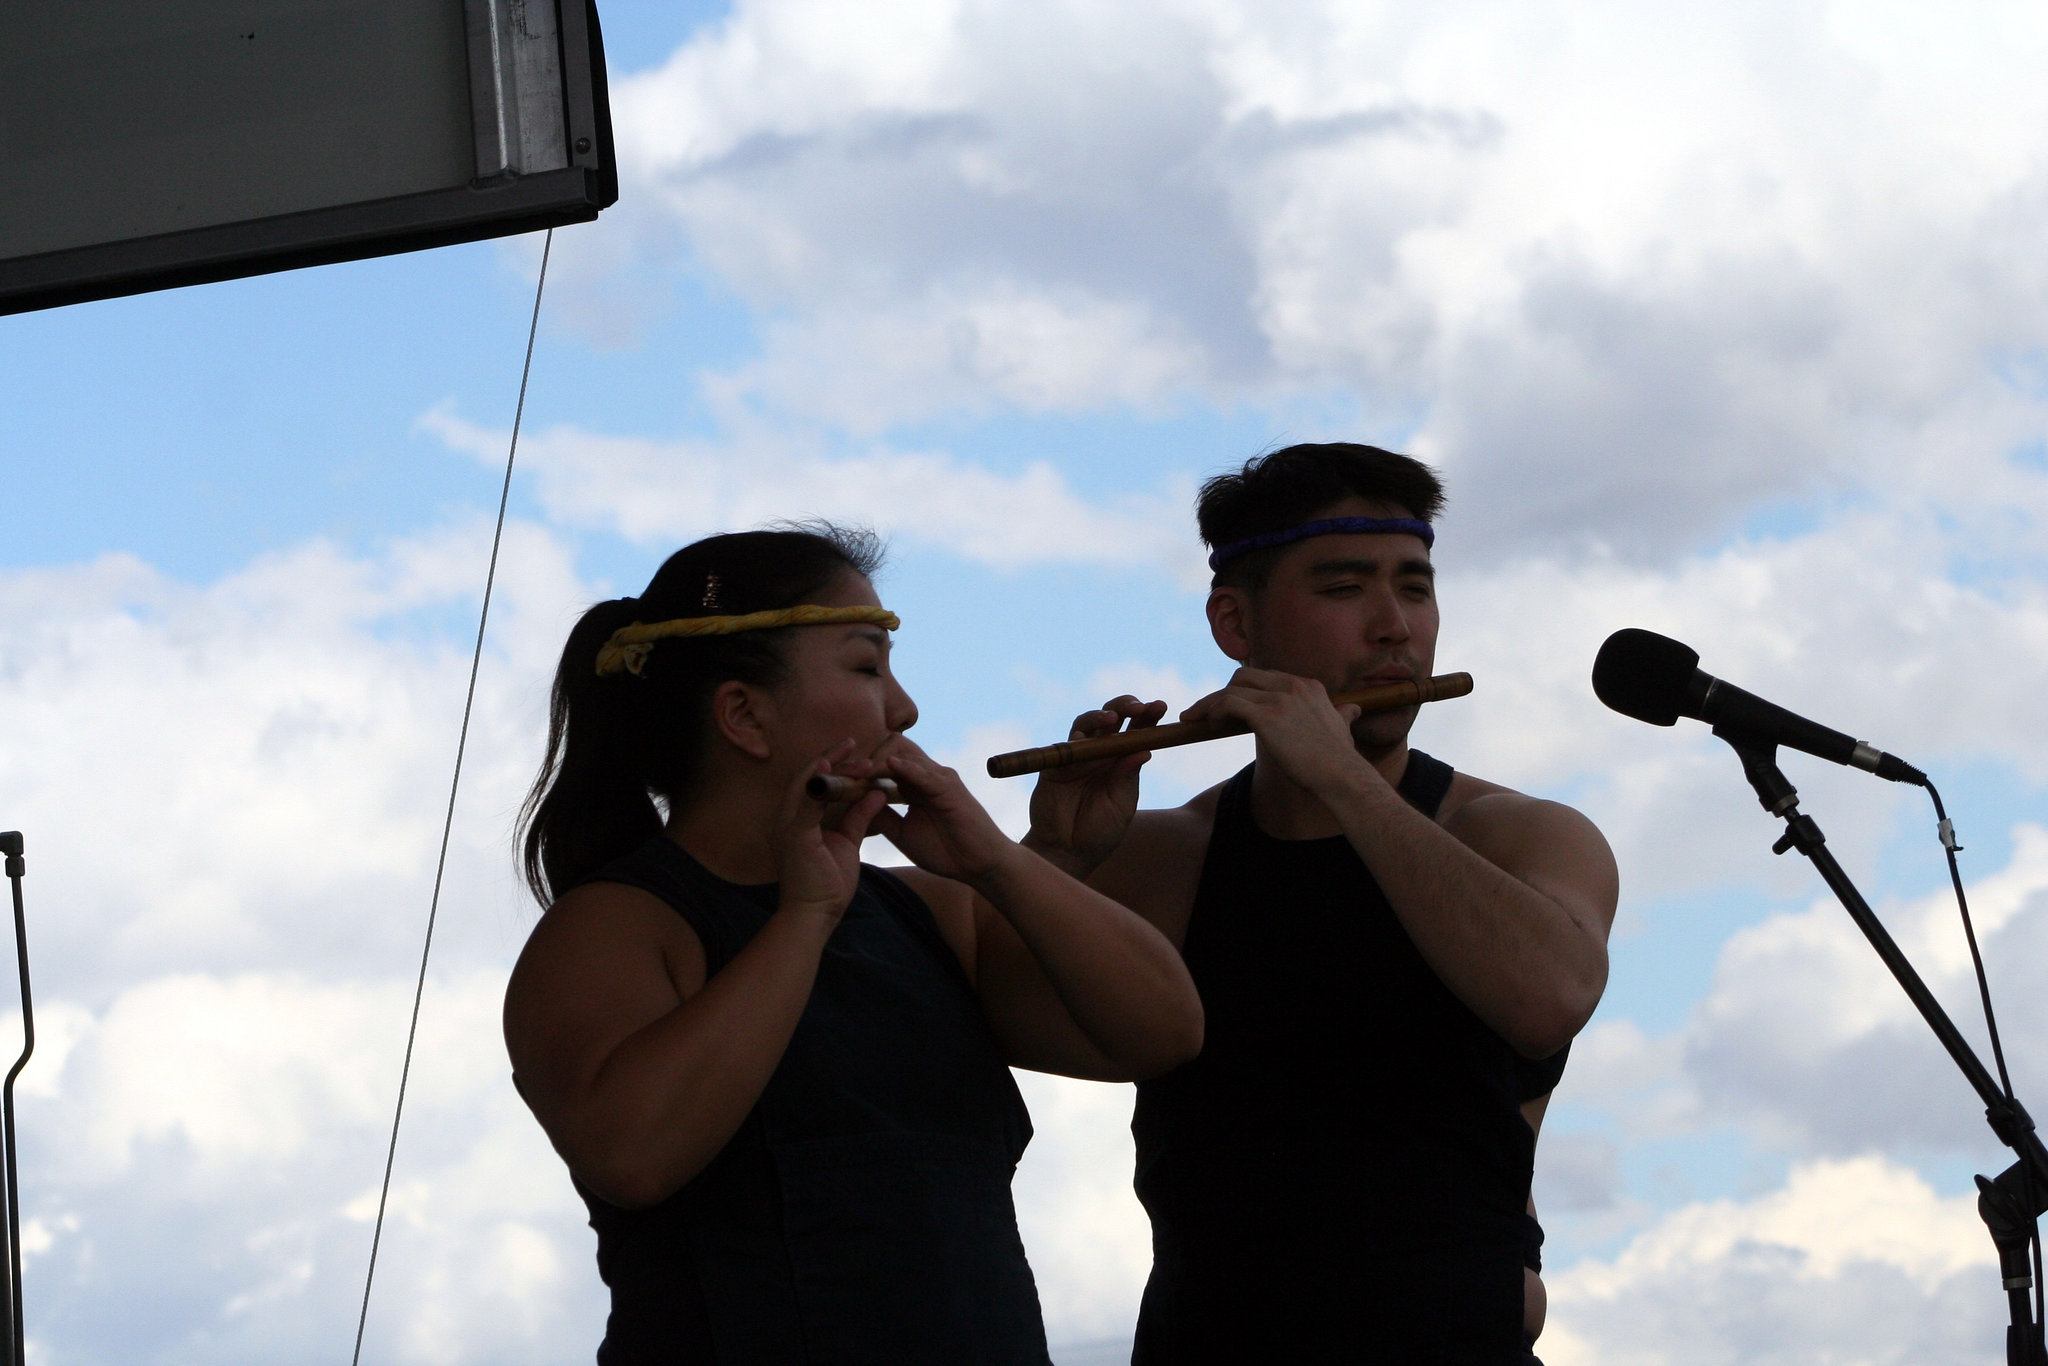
point(1230, 622)
point(743, 715)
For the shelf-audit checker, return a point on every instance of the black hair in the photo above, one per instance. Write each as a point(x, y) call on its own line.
point(1287, 487)
point(618, 741)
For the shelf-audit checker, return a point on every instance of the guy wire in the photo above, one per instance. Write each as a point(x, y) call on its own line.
point(455, 783)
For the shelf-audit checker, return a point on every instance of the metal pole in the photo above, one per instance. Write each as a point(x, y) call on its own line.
point(17, 1342)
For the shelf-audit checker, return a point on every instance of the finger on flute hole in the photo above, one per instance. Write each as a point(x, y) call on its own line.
point(836, 787)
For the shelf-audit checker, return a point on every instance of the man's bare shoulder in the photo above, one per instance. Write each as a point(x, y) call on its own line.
point(1159, 864)
point(1475, 804)
point(1192, 819)
point(1547, 844)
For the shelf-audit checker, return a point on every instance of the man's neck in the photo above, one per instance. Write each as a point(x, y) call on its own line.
point(1285, 810)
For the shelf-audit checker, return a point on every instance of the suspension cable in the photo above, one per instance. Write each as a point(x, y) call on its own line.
point(448, 822)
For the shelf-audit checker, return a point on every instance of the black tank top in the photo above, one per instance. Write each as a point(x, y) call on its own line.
point(1342, 1174)
point(862, 1213)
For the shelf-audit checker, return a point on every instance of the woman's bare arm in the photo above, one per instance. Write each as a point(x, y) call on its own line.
point(638, 1067)
point(1070, 981)
point(640, 1070)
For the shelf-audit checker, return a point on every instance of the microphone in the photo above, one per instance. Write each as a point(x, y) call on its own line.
point(1656, 679)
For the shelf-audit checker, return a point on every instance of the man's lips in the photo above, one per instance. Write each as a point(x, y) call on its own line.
point(1382, 678)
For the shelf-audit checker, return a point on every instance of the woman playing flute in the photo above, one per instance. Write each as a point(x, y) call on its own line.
point(778, 1076)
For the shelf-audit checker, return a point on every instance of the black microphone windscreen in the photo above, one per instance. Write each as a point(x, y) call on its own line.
point(1642, 674)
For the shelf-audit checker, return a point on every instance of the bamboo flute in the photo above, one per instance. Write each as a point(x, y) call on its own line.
point(834, 787)
point(1387, 697)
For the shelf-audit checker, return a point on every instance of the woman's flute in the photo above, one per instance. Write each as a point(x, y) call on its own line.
point(1389, 697)
point(833, 787)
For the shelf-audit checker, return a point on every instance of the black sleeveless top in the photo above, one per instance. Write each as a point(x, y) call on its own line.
point(1342, 1174)
point(862, 1212)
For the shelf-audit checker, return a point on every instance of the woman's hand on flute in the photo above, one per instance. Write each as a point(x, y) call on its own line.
point(944, 829)
point(1070, 981)
point(817, 859)
point(1081, 812)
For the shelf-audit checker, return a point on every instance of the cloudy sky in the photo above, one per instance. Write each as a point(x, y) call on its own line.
point(1730, 321)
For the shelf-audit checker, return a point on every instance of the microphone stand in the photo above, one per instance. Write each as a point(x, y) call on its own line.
point(11, 1331)
point(2011, 1203)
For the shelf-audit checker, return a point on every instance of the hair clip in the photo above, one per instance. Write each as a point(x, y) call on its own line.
point(710, 602)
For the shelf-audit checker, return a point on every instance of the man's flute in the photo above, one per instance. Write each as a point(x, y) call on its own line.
point(1388, 697)
point(833, 787)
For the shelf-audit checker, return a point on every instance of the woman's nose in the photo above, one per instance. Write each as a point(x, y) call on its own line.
point(899, 711)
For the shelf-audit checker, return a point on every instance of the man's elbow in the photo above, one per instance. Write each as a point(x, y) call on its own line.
point(1538, 1039)
point(1555, 1019)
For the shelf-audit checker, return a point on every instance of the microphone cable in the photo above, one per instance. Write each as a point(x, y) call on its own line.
point(1946, 829)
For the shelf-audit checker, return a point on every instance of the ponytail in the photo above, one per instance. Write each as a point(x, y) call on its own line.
point(618, 742)
point(589, 805)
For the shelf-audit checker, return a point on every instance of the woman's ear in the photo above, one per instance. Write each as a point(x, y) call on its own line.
point(1230, 622)
point(744, 717)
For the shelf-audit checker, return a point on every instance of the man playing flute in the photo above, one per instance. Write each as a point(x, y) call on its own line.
point(1382, 946)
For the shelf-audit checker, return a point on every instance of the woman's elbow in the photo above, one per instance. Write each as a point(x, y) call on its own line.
point(626, 1184)
point(1176, 1043)
point(629, 1174)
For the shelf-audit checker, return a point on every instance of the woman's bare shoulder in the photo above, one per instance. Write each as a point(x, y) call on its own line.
point(603, 932)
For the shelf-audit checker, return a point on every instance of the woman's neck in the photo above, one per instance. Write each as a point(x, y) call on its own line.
point(730, 829)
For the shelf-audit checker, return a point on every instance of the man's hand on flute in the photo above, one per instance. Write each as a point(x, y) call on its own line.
point(1081, 812)
point(1305, 733)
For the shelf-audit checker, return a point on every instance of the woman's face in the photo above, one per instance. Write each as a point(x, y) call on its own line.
point(839, 686)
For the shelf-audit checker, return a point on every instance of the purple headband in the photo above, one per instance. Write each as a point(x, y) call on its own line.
point(1335, 526)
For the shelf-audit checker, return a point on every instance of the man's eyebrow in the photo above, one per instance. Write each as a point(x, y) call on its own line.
point(1365, 567)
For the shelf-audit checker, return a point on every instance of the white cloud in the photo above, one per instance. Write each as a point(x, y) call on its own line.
point(1625, 272)
point(231, 794)
point(669, 492)
point(1854, 622)
point(1805, 1034)
point(201, 769)
point(1854, 1260)
point(1088, 1238)
point(1631, 274)
point(212, 1145)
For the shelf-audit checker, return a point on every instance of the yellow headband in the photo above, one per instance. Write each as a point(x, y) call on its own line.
point(629, 646)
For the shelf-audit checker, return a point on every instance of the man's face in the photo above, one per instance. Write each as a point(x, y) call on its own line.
point(1348, 611)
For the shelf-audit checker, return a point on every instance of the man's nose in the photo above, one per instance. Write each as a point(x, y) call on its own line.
point(1387, 621)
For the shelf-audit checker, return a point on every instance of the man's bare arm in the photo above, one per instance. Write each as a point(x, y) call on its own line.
point(1509, 901)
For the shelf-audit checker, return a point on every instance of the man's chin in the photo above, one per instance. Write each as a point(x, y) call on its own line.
point(1382, 732)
